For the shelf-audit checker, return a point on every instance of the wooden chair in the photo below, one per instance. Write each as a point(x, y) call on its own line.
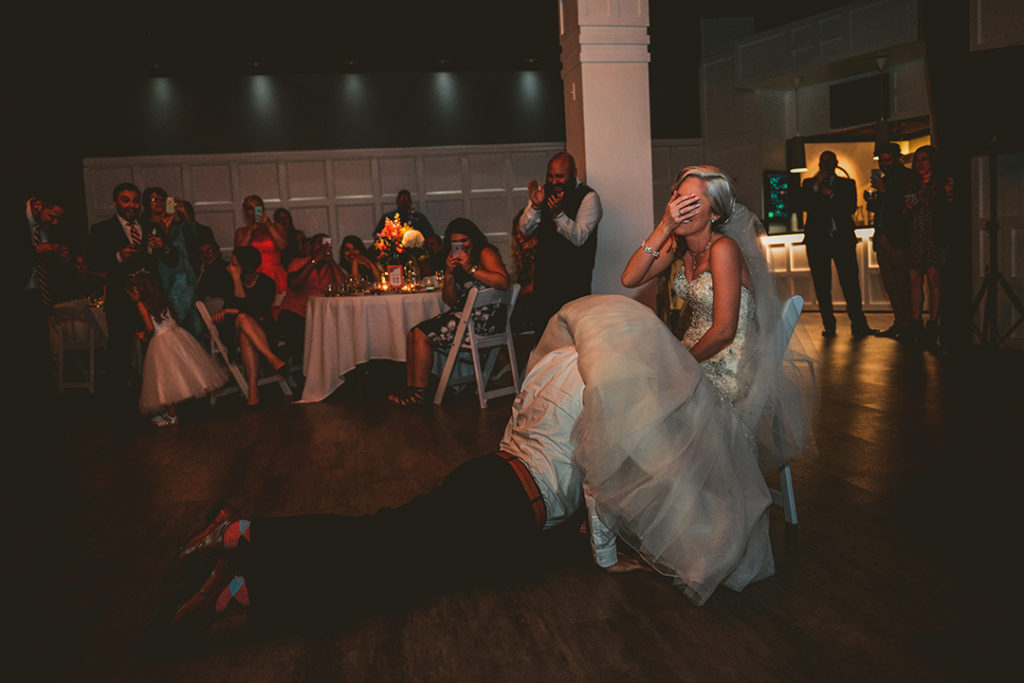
point(467, 346)
point(75, 329)
point(218, 350)
point(784, 496)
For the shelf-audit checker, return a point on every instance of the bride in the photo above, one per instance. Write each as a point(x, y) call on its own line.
point(673, 438)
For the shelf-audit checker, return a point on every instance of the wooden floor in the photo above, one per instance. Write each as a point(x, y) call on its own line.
point(901, 568)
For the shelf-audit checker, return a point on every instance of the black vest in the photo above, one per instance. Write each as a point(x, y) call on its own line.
point(562, 270)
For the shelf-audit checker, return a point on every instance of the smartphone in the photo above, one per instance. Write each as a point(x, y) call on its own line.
point(458, 248)
point(328, 241)
point(170, 205)
point(876, 173)
point(257, 212)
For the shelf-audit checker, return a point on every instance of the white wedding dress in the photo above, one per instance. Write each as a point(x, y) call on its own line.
point(670, 464)
point(723, 367)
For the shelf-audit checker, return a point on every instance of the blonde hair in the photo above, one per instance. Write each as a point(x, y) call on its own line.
point(719, 186)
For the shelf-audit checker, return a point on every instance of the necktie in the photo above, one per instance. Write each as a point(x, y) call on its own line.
point(136, 234)
point(44, 289)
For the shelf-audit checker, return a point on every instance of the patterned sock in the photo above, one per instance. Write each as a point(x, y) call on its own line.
point(235, 590)
point(236, 533)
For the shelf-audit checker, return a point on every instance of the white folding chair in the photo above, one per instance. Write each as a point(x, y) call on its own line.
point(75, 329)
point(784, 496)
point(467, 346)
point(218, 350)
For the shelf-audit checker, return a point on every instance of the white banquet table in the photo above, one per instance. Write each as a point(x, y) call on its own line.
point(344, 331)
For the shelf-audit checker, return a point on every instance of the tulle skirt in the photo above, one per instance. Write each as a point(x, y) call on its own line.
point(672, 468)
point(176, 368)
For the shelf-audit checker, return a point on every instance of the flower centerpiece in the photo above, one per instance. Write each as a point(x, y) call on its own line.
point(399, 244)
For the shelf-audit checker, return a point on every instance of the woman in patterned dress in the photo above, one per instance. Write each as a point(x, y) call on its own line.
point(471, 263)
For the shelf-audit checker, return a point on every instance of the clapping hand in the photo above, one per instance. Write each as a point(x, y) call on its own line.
point(537, 195)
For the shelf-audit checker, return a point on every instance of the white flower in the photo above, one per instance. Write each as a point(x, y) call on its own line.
point(412, 239)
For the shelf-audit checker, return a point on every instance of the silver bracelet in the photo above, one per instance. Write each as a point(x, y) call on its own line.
point(648, 250)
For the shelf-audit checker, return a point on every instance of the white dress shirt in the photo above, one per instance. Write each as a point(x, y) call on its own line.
point(576, 231)
point(540, 434)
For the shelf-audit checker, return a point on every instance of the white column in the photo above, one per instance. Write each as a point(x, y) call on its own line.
point(608, 125)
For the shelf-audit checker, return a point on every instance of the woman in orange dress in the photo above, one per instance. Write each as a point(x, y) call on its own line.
point(269, 238)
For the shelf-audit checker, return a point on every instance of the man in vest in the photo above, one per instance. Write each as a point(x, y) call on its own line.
point(564, 214)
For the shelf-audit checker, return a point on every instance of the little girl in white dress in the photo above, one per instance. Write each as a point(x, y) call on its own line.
point(176, 367)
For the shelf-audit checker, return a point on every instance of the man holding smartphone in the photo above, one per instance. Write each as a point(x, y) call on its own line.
point(892, 235)
point(828, 235)
point(118, 247)
point(564, 214)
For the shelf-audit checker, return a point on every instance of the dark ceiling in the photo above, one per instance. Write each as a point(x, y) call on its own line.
point(303, 37)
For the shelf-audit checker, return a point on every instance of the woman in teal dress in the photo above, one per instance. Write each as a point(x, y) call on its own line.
point(178, 282)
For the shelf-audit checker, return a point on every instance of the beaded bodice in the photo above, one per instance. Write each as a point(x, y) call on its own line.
point(699, 294)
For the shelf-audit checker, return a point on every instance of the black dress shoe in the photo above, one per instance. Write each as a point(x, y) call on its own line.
point(201, 605)
point(828, 332)
point(861, 332)
point(208, 543)
point(892, 332)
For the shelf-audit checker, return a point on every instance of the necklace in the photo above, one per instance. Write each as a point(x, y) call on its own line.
point(696, 255)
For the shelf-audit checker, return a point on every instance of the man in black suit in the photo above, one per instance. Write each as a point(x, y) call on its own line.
point(119, 246)
point(892, 235)
point(828, 234)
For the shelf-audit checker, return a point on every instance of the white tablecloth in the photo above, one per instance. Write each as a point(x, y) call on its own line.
point(342, 332)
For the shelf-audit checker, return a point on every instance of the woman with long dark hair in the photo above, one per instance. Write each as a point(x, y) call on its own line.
point(471, 263)
point(179, 281)
point(247, 319)
point(355, 260)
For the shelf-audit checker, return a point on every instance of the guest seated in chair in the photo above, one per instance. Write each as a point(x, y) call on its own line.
point(307, 276)
point(355, 261)
point(246, 319)
point(471, 263)
point(214, 281)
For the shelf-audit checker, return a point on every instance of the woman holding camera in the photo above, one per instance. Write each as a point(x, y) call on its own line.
point(178, 282)
point(270, 239)
point(471, 263)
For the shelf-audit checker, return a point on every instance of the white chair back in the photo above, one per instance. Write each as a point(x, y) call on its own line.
point(784, 496)
point(75, 328)
point(467, 345)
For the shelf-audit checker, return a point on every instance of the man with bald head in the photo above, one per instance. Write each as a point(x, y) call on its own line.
point(564, 214)
point(828, 235)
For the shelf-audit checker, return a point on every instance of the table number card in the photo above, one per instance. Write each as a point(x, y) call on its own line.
point(395, 280)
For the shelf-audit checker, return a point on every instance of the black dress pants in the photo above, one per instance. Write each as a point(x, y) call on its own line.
point(820, 255)
point(476, 526)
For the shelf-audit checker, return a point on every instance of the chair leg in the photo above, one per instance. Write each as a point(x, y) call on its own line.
point(481, 382)
point(785, 497)
point(514, 365)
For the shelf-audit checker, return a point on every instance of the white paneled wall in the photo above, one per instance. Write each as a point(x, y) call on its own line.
point(338, 192)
